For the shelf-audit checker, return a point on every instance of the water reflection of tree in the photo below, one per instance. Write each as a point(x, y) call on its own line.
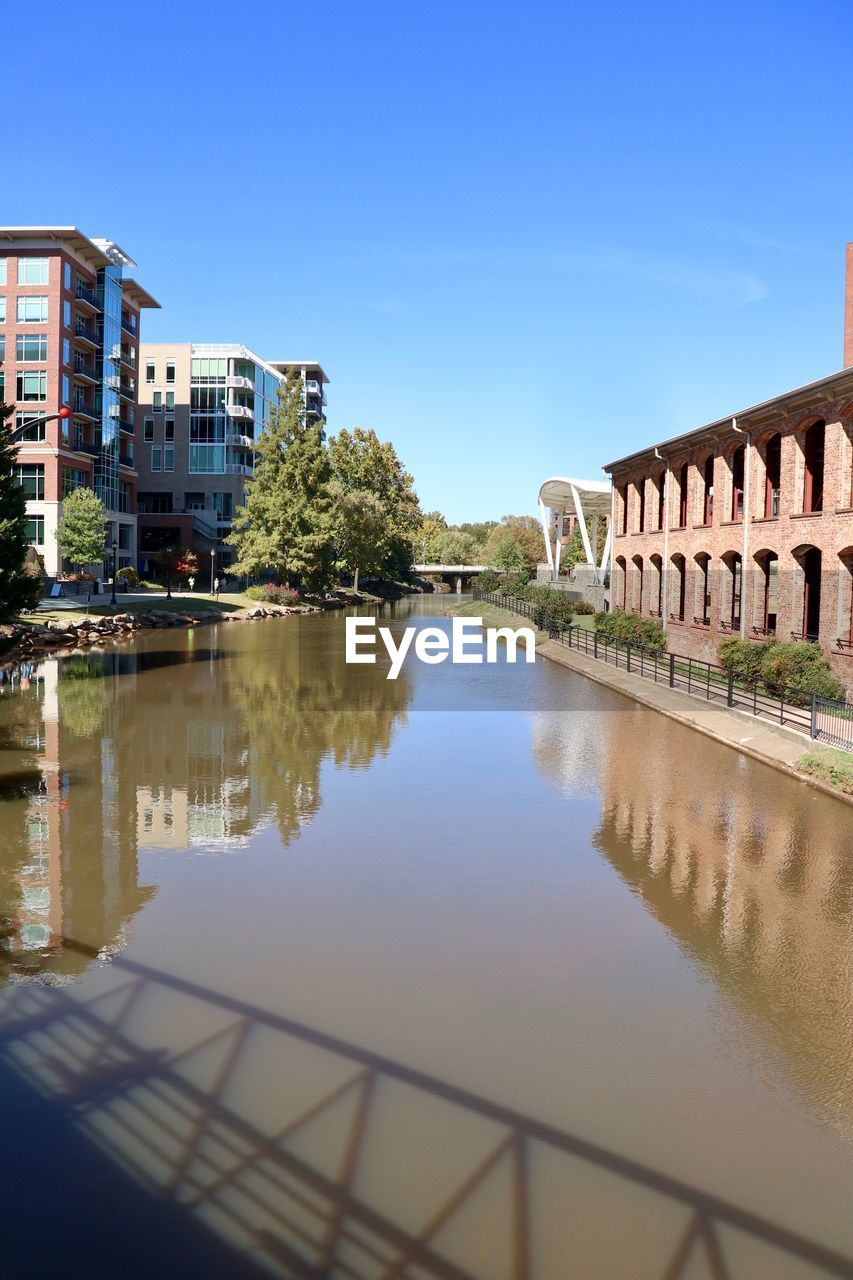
point(301, 707)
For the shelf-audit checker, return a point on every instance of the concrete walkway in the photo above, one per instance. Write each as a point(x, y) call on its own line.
point(773, 745)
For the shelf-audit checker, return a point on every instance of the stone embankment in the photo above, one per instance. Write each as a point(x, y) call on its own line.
point(20, 641)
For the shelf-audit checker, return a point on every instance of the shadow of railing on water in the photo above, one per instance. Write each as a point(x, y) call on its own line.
point(172, 1118)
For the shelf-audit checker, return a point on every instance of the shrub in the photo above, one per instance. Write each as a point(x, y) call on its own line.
point(490, 580)
point(274, 593)
point(515, 584)
point(551, 609)
point(584, 607)
point(742, 658)
point(128, 576)
point(797, 666)
point(630, 628)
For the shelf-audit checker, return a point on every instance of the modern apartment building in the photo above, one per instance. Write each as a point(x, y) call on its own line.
point(69, 336)
point(202, 408)
point(745, 526)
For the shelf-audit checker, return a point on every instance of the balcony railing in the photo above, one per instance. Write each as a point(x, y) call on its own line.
point(86, 410)
point(84, 446)
point(238, 469)
point(239, 441)
point(238, 411)
point(85, 333)
point(128, 391)
point(128, 327)
point(126, 459)
point(238, 383)
point(84, 294)
point(84, 368)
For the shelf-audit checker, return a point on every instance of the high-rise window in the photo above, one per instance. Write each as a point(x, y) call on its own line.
point(2, 310)
point(66, 389)
point(156, 458)
point(170, 399)
point(66, 314)
point(30, 346)
point(2, 270)
point(169, 429)
point(157, 400)
point(73, 478)
point(773, 475)
point(66, 351)
point(148, 430)
point(222, 505)
point(169, 459)
point(170, 371)
point(30, 477)
point(32, 385)
point(149, 370)
point(66, 275)
point(30, 424)
point(33, 270)
point(32, 309)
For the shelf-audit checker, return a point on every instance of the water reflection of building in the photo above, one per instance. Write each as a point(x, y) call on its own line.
point(752, 875)
point(66, 869)
point(165, 745)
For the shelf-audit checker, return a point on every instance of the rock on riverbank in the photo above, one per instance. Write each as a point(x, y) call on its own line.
point(22, 640)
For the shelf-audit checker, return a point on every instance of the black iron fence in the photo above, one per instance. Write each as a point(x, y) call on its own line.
point(825, 719)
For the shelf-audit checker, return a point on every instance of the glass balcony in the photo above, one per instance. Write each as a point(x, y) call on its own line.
point(84, 368)
point(238, 411)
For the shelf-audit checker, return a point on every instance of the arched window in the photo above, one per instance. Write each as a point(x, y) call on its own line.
point(738, 464)
point(708, 490)
point(731, 610)
point(845, 600)
point(641, 504)
point(810, 562)
point(621, 583)
point(767, 595)
point(703, 598)
point(813, 453)
point(772, 475)
point(679, 564)
point(656, 587)
point(637, 595)
point(660, 491)
point(682, 496)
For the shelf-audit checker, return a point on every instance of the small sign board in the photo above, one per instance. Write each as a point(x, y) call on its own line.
point(56, 591)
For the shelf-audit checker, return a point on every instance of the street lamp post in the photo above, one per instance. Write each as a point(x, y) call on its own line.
point(63, 415)
point(212, 564)
point(113, 600)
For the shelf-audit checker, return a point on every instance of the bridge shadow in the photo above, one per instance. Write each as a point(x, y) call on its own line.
point(263, 1143)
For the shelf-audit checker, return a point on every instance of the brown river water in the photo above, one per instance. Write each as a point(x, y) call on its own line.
point(485, 973)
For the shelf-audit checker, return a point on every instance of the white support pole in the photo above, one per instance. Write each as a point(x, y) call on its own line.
point(590, 559)
point(546, 533)
point(605, 555)
point(558, 541)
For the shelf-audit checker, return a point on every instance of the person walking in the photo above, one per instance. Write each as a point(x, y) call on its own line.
point(216, 588)
point(191, 582)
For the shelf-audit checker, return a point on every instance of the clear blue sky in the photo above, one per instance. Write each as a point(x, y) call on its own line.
point(522, 239)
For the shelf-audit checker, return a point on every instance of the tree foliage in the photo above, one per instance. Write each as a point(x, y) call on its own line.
point(81, 532)
point(285, 523)
point(376, 513)
point(20, 588)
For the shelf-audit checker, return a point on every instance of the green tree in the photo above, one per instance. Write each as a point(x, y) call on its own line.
point(361, 462)
point(361, 531)
point(81, 532)
point(527, 535)
point(19, 587)
point(506, 552)
point(286, 521)
point(455, 547)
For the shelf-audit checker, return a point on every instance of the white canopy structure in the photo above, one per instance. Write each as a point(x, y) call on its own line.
point(580, 498)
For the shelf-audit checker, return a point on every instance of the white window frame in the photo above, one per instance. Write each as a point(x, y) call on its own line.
point(44, 275)
point(28, 299)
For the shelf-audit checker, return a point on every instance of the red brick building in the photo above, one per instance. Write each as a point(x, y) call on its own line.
point(69, 336)
point(745, 526)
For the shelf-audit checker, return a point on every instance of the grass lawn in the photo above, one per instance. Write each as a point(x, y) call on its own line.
point(493, 616)
point(830, 765)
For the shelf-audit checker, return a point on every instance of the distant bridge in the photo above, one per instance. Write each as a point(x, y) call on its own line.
point(451, 572)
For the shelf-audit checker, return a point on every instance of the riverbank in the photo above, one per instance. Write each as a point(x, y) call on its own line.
point(823, 768)
point(69, 630)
